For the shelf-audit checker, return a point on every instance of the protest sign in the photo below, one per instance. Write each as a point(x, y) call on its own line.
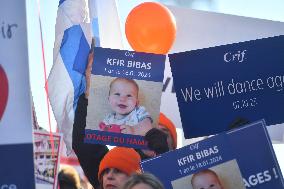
point(242, 158)
point(125, 96)
point(216, 29)
point(215, 86)
point(15, 101)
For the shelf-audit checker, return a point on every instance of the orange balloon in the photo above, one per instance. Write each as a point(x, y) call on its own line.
point(150, 27)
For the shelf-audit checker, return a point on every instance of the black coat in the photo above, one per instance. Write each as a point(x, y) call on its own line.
point(90, 155)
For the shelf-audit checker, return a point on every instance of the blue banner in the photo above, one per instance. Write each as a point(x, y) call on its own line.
point(16, 162)
point(125, 95)
point(244, 156)
point(214, 86)
point(128, 64)
point(188, 160)
point(257, 160)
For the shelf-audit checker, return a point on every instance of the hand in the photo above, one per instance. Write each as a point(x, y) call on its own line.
point(88, 73)
point(143, 127)
point(109, 128)
point(126, 129)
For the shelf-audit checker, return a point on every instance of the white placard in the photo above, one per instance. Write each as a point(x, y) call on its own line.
point(16, 148)
point(16, 120)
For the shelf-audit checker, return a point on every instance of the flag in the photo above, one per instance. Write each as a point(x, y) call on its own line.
point(73, 34)
point(106, 24)
point(71, 46)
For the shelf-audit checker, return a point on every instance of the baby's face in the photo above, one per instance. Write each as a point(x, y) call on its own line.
point(123, 97)
point(206, 181)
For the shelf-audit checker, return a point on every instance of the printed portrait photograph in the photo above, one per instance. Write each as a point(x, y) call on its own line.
point(223, 176)
point(123, 105)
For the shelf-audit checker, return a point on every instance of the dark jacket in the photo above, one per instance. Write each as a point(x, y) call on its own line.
point(90, 155)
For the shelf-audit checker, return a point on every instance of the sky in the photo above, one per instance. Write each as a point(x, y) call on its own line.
point(271, 10)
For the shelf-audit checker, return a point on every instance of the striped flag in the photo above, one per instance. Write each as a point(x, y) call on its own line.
point(73, 34)
point(71, 47)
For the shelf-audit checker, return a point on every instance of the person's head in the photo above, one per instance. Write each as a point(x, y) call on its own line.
point(143, 181)
point(206, 179)
point(68, 178)
point(123, 95)
point(116, 167)
point(166, 125)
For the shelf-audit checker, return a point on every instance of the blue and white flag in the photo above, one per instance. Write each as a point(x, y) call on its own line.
point(73, 33)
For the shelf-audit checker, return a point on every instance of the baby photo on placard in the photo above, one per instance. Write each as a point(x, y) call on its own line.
point(225, 175)
point(124, 97)
point(209, 163)
point(223, 161)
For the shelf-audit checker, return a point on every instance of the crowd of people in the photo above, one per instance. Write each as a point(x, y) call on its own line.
point(68, 178)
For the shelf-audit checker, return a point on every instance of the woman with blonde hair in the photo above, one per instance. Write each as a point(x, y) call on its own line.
point(143, 181)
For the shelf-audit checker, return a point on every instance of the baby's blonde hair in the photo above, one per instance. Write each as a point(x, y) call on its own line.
point(205, 171)
point(131, 81)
